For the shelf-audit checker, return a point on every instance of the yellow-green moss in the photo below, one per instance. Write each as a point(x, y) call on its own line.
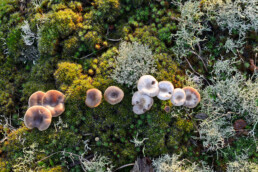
point(58, 25)
point(67, 72)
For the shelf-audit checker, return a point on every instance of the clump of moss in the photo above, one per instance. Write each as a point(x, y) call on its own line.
point(47, 143)
point(103, 10)
point(15, 43)
point(66, 72)
point(70, 46)
point(59, 25)
point(168, 70)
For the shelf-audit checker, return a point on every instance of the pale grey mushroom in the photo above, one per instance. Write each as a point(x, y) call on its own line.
point(178, 97)
point(192, 97)
point(166, 89)
point(141, 103)
point(148, 85)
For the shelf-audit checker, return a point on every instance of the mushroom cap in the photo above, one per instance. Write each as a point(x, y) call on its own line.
point(36, 98)
point(113, 95)
point(178, 97)
point(141, 103)
point(54, 101)
point(192, 97)
point(148, 85)
point(166, 89)
point(39, 117)
point(93, 97)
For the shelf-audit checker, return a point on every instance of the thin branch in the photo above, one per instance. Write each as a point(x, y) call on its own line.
point(115, 40)
point(195, 71)
point(49, 156)
point(205, 66)
point(86, 56)
point(127, 165)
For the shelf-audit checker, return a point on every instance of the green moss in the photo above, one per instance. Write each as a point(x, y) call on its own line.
point(67, 72)
point(70, 46)
point(104, 7)
point(7, 104)
point(184, 125)
point(22, 137)
point(15, 43)
point(59, 25)
point(54, 169)
point(4, 165)
point(241, 145)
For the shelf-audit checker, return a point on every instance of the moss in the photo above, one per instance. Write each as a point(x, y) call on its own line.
point(70, 46)
point(23, 137)
point(7, 102)
point(4, 165)
point(67, 72)
point(241, 145)
point(90, 39)
point(54, 169)
point(59, 25)
point(15, 43)
point(169, 70)
point(103, 10)
point(184, 125)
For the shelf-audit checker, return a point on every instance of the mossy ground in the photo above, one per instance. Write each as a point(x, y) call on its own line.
point(76, 48)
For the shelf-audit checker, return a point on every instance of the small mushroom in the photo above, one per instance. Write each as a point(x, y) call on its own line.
point(148, 85)
point(192, 97)
point(36, 98)
point(141, 103)
point(39, 117)
point(54, 101)
point(93, 97)
point(166, 89)
point(167, 109)
point(253, 67)
point(113, 95)
point(178, 97)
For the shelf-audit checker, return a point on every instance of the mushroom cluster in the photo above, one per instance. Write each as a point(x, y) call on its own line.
point(149, 87)
point(42, 107)
point(113, 95)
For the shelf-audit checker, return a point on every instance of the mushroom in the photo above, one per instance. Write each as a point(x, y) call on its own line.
point(36, 98)
point(113, 95)
point(39, 117)
point(166, 89)
point(178, 97)
point(93, 97)
point(148, 85)
point(167, 109)
point(141, 103)
point(54, 101)
point(192, 97)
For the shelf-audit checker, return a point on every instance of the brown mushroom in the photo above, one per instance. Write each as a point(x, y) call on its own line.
point(93, 97)
point(113, 95)
point(253, 67)
point(39, 117)
point(192, 97)
point(54, 101)
point(167, 109)
point(36, 98)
